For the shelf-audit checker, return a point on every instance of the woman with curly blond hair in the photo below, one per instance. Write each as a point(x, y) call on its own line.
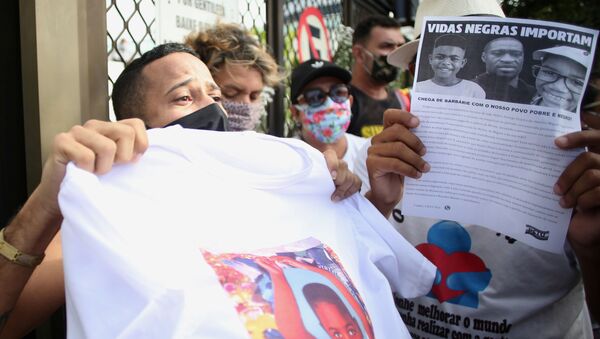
point(241, 66)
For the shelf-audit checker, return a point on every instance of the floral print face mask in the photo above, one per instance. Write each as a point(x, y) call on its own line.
point(328, 121)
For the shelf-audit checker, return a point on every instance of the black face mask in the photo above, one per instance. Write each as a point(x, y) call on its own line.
point(210, 118)
point(381, 71)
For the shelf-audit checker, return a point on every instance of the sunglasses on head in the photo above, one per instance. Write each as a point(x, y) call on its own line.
point(315, 97)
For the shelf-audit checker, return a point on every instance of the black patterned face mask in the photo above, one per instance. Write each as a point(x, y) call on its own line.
point(211, 117)
point(381, 71)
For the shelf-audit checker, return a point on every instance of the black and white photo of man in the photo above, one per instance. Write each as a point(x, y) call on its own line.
point(503, 58)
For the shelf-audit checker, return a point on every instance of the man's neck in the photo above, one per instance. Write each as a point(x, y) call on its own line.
point(447, 82)
point(363, 81)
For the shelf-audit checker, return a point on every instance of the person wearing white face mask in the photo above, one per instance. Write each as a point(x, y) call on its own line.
point(242, 68)
point(321, 107)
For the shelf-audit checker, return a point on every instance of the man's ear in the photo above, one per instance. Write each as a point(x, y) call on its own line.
point(357, 53)
point(220, 103)
point(483, 57)
point(295, 112)
point(463, 63)
point(351, 99)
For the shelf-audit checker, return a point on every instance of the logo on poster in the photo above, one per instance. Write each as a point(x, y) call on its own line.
point(537, 233)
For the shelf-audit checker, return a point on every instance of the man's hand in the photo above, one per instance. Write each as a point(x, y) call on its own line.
point(346, 182)
point(395, 153)
point(579, 187)
point(96, 147)
point(579, 184)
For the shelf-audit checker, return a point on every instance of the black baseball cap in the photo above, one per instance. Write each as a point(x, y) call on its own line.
point(312, 69)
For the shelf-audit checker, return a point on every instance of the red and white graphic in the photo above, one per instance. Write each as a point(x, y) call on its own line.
point(313, 36)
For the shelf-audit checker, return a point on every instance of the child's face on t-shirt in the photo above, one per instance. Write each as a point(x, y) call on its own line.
point(446, 61)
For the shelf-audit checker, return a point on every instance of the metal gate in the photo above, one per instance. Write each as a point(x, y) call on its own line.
point(132, 30)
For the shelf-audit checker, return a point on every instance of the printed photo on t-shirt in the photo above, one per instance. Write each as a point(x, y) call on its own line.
point(300, 290)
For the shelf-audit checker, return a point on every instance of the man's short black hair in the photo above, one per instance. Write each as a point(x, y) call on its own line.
point(128, 90)
point(489, 43)
point(451, 40)
point(364, 27)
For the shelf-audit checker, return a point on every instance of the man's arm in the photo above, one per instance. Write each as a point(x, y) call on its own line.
point(579, 187)
point(95, 147)
point(395, 153)
point(42, 295)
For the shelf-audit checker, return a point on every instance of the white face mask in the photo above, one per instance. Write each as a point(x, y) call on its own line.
point(243, 116)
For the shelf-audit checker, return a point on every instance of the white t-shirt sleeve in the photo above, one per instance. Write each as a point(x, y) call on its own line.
point(406, 269)
point(360, 166)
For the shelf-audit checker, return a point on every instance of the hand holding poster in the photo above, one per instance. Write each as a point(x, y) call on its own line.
point(492, 94)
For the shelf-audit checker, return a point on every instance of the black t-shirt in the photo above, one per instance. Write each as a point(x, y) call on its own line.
point(496, 89)
point(367, 113)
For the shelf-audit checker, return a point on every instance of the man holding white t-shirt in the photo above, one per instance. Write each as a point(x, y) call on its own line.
point(175, 86)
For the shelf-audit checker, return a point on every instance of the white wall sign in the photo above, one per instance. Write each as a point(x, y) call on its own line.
point(178, 18)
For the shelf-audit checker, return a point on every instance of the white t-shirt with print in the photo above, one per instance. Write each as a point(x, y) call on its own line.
point(488, 285)
point(229, 235)
point(465, 88)
point(355, 144)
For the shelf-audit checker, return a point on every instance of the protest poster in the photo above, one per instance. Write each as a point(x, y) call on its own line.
point(492, 94)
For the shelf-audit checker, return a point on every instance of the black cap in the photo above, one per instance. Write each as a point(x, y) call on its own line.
point(312, 69)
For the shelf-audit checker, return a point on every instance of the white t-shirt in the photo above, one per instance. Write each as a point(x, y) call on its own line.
point(464, 88)
point(229, 235)
point(355, 143)
point(488, 284)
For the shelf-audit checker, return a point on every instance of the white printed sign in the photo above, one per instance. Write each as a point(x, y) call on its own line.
point(178, 18)
point(492, 95)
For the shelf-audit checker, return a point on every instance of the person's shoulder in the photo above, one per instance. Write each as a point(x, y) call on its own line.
point(423, 86)
point(476, 90)
point(470, 83)
point(355, 91)
point(523, 85)
point(482, 79)
point(354, 139)
point(424, 83)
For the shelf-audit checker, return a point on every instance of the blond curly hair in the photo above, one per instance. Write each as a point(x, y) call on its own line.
point(226, 43)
